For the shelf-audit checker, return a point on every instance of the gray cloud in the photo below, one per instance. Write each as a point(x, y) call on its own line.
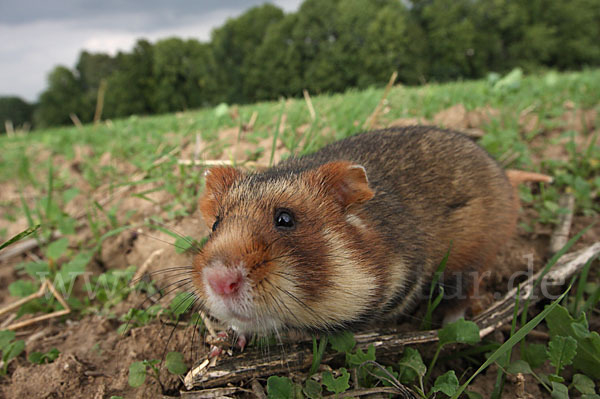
point(35, 36)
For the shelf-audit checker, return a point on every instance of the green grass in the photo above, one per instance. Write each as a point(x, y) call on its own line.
point(34, 164)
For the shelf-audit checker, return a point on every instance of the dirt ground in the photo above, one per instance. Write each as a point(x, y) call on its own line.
point(94, 358)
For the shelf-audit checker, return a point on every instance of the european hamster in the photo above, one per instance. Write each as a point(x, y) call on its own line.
point(352, 233)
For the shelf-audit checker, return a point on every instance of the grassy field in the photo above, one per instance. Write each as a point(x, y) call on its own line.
point(112, 197)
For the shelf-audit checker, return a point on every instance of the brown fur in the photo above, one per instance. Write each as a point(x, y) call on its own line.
point(364, 244)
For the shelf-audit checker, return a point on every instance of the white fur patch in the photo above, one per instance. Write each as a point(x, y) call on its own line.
point(355, 221)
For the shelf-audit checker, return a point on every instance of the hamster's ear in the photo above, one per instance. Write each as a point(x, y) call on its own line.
point(348, 182)
point(218, 181)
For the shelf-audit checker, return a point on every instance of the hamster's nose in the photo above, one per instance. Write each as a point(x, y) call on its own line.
point(224, 281)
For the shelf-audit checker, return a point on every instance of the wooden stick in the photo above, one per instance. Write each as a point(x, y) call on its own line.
point(208, 162)
point(212, 393)
point(560, 235)
point(100, 101)
point(309, 104)
point(252, 363)
point(369, 391)
point(370, 122)
point(46, 285)
point(29, 322)
point(140, 272)
point(252, 121)
point(258, 390)
point(8, 126)
point(28, 298)
point(75, 120)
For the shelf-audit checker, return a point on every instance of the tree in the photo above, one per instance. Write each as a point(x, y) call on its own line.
point(451, 37)
point(275, 68)
point(183, 73)
point(130, 87)
point(314, 35)
point(234, 43)
point(394, 42)
point(577, 30)
point(16, 110)
point(92, 69)
point(63, 96)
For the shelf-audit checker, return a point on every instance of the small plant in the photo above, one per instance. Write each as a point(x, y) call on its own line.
point(139, 370)
point(41, 358)
point(10, 348)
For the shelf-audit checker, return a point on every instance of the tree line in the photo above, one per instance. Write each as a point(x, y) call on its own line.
point(326, 46)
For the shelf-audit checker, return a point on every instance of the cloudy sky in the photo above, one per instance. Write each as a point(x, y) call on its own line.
point(36, 35)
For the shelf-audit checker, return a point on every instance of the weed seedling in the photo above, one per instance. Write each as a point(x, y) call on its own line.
point(10, 348)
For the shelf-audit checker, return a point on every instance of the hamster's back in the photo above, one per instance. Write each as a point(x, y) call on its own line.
point(435, 191)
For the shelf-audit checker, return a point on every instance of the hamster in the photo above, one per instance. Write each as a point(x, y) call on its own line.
point(352, 233)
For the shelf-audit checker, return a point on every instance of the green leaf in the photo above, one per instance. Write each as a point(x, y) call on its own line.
point(461, 331)
point(535, 355)
point(37, 270)
point(474, 395)
point(383, 375)
point(36, 357)
point(519, 367)
point(359, 357)
point(312, 389)
point(587, 359)
point(183, 244)
point(175, 363)
point(584, 384)
point(13, 350)
point(318, 352)
point(19, 236)
point(40, 358)
point(66, 225)
point(69, 194)
point(559, 391)
point(342, 342)
point(137, 374)
point(181, 303)
point(56, 249)
point(555, 378)
point(561, 351)
point(5, 337)
point(339, 384)
point(446, 383)
point(75, 267)
point(411, 366)
point(22, 288)
point(221, 110)
point(280, 387)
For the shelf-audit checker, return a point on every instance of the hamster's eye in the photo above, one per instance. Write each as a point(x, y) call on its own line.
point(216, 224)
point(284, 220)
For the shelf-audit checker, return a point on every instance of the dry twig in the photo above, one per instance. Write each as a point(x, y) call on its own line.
point(46, 285)
point(560, 235)
point(309, 104)
point(372, 119)
point(140, 272)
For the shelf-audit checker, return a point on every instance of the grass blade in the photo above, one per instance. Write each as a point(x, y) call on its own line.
point(512, 341)
point(20, 236)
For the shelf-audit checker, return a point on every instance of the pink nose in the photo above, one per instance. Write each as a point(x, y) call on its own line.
point(224, 281)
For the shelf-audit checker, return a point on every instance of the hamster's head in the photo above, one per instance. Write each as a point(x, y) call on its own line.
point(282, 254)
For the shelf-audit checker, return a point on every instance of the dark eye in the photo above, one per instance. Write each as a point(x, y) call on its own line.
point(216, 224)
point(284, 220)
